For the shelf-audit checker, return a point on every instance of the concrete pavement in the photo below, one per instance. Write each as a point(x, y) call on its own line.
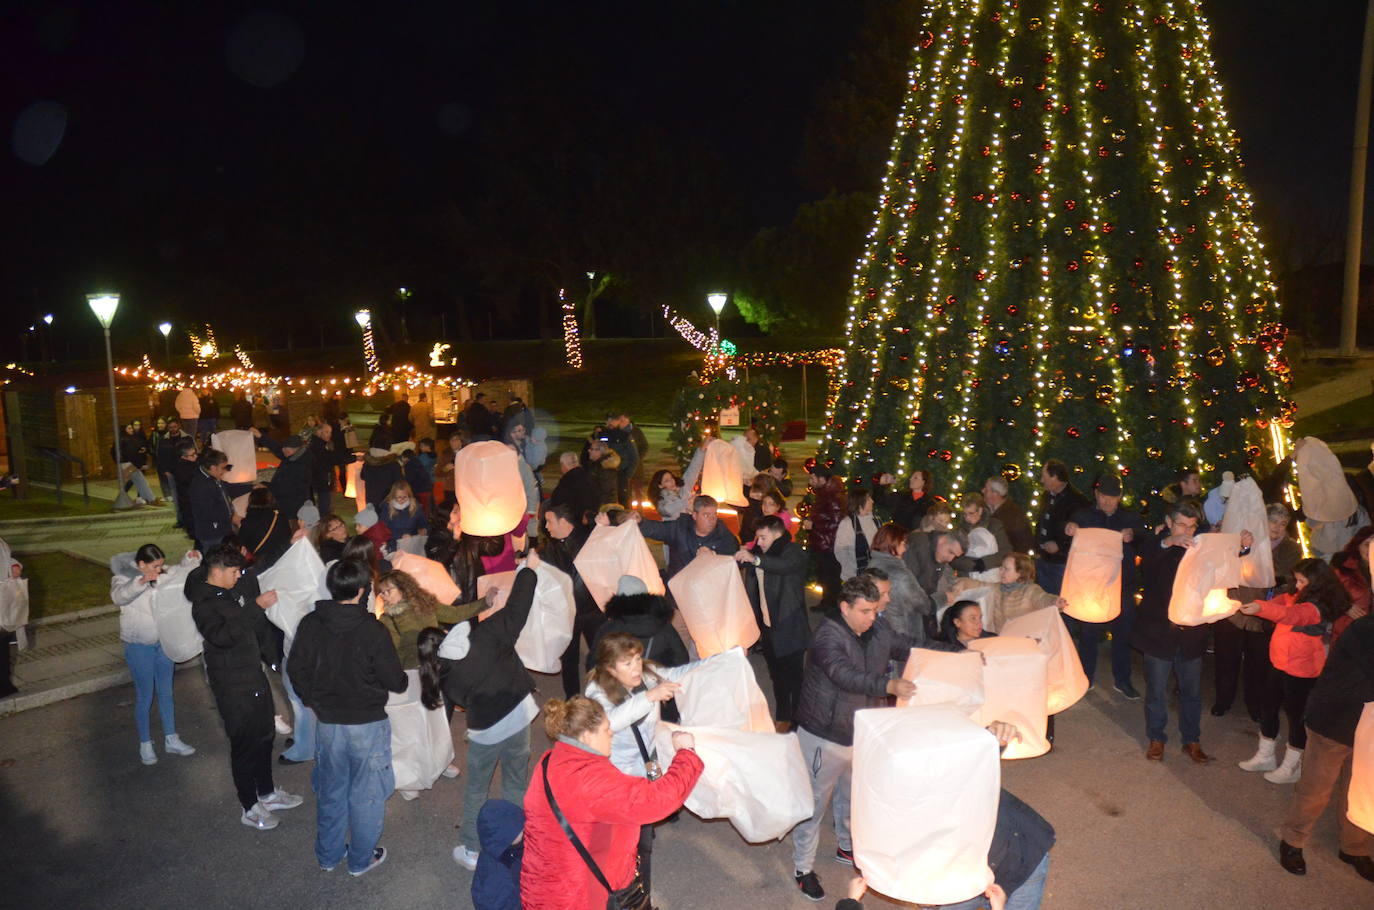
point(87, 825)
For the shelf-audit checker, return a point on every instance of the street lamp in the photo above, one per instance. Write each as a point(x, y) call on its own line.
point(104, 307)
point(48, 319)
point(364, 318)
point(166, 330)
point(717, 302)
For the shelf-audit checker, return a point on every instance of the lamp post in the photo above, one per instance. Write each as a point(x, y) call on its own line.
point(166, 330)
point(717, 302)
point(104, 306)
point(364, 318)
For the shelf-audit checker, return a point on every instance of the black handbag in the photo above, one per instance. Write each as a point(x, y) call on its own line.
point(633, 896)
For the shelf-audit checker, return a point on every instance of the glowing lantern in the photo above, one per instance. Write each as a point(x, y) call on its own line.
point(353, 489)
point(1207, 570)
point(1245, 512)
point(611, 552)
point(486, 480)
point(1067, 682)
point(1015, 691)
point(241, 449)
point(944, 678)
point(429, 575)
point(923, 802)
point(711, 596)
point(1360, 804)
point(1092, 576)
point(720, 474)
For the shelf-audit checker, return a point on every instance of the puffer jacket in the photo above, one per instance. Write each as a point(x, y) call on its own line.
point(1297, 653)
point(637, 712)
point(605, 808)
point(379, 475)
point(238, 640)
point(649, 618)
point(826, 514)
point(135, 599)
point(846, 672)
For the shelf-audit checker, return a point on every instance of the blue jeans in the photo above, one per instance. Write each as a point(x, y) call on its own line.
point(1089, 636)
point(303, 749)
point(1026, 897)
point(133, 475)
point(352, 780)
point(152, 672)
point(1050, 576)
point(1189, 673)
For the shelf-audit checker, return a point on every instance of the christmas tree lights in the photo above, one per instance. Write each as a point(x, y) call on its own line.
point(572, 339)
point(1063, 261)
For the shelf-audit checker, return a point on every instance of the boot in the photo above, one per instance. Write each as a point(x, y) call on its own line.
point(1290, 770)
point(1263, 759)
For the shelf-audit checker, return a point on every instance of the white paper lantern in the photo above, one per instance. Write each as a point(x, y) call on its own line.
point(1325, 494)
point(1015, 691)
point(486, 481)
point(353, 489)
point(241, 449)
point(1245, 511)
point(720, 474)
point(723, 692)
point(176, 628)
point(758, 781)
point(1092, 576)
point(613, 551)
point(944, 678)
point(421, 744)
point(710, 594)
point(549, 628)
point(1207, 570)
point(297, 578)
point(430, 576)
point(923, 802)
point(1360, 803)
point(1067, 683)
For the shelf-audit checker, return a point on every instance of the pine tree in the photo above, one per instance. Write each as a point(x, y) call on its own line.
point(1063, 261)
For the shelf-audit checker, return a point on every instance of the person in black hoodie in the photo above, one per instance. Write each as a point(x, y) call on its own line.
point(484, 676)
point(228, 611)
point(566, 537)
point(342, 666)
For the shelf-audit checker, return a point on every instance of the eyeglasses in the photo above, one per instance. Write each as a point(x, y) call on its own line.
point(227, 467)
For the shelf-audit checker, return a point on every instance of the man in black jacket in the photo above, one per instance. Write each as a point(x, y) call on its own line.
point(566, 538)
point(775, 579)
point(212, 508)
point(1168, 647)
point(576, 489)
point(1057, 508)
point(228, 611)
point(1333, 712)
point(342, 666)
point(846, 669)
point(295, 473)
point(165, 458)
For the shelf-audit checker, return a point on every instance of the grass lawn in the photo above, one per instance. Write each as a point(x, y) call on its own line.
point(1353, 415)
point(59, 583)
point(42, 503)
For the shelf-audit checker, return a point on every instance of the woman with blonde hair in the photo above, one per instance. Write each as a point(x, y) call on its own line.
point(1015, 593)
point(632, 691)
point(575, 784)
point(402, 514)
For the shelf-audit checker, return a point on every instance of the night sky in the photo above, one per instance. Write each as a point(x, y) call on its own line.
point(274, 169)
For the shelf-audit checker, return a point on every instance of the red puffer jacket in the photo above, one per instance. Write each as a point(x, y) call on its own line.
point(606, 809)
point(826, 514)
point(1295, 653)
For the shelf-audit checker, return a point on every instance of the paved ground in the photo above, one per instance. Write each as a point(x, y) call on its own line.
point(86, 825)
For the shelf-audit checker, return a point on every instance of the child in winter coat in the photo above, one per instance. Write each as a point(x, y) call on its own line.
point(501, 830)
point(1302, 627)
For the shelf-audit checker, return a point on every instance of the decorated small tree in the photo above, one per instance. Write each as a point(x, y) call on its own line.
point(1063, 261)
point(696, 409)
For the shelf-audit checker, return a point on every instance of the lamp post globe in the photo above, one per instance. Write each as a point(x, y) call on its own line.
point(717, 302)
point(104, 306)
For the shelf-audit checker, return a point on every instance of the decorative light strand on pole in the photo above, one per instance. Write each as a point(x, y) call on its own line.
point(572, 339)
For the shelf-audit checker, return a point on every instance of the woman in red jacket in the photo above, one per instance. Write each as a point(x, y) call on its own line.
point(604, 807)
point(1297, 651)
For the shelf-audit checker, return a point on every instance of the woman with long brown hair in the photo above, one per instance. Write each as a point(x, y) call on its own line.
point(575, 782)
point(410, 609)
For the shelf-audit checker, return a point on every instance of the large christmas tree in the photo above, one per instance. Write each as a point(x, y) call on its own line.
point(1063, 261)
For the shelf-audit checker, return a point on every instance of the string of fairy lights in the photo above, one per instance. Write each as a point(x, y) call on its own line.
point(572, 339)
point(401, 378)
point(1103, 276)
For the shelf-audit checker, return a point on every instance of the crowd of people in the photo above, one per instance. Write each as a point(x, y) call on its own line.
point(896, 565)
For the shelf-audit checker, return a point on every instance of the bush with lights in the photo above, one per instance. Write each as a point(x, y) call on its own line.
point(697, 408)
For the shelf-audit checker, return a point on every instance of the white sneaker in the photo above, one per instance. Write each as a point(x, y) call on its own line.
point(145, 752)
point(173, 744)
point(452, 771)
point(279, 799)
point(408, 795)
point(259, 817)
point(378, 857)
point(283, 728)
point(465, 857)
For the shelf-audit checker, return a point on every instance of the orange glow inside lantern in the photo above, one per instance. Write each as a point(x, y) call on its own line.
point(720, 474)
point(1092, 576)
point(486, 481)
